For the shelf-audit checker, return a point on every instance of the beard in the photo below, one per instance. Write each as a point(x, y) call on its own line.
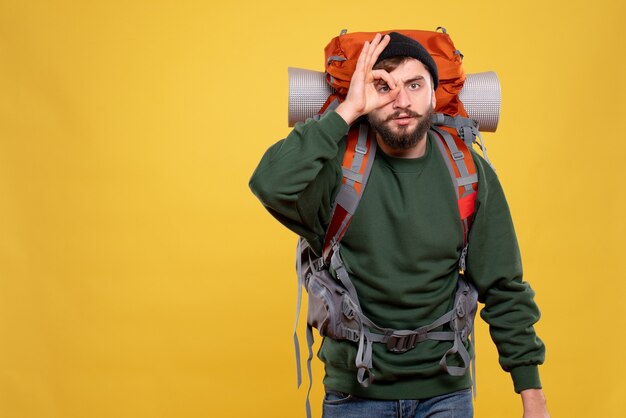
point(403, 137)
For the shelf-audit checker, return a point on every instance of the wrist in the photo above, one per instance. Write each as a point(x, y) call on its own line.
point(533, 395)
point(534, 403)
point(347, 113)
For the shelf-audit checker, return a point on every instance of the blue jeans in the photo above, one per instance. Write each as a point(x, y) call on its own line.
point(452, 405)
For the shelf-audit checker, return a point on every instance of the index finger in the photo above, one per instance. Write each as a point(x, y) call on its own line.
point(386, 77)
point(377, 46)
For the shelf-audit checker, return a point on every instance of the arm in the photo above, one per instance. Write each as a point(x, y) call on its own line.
point(494, 265)
point(296, 178)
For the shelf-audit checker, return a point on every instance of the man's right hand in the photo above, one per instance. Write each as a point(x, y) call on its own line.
point(364, 93)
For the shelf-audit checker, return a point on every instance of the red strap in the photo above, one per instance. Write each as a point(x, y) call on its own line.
point(339, 214)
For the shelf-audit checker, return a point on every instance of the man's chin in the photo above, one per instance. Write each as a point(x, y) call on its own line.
point(401, 136)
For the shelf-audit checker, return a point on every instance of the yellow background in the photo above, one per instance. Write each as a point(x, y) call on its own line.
point(139, 277)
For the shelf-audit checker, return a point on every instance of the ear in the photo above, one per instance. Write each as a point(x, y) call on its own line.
point(433, 99)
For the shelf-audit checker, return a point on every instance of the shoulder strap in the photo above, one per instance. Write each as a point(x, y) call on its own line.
point(458, 158)
point(356, 167)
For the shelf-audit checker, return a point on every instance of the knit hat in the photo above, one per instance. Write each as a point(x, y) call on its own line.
point(403, 46)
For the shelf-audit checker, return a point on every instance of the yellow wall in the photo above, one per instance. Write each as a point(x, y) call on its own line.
point(140, 278)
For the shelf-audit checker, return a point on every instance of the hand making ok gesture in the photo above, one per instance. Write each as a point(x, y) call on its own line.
point(364, 95)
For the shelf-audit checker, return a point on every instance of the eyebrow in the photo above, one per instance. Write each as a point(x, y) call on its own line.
point(414, 79)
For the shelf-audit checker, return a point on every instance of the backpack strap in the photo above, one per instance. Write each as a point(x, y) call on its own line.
point(303, 268)
point(457, 134)
point(356, 167)
point(461, 167)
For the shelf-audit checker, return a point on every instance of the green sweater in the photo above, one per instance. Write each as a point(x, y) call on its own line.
point(401, 251)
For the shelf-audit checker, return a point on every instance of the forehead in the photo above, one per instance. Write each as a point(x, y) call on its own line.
point(410, 69)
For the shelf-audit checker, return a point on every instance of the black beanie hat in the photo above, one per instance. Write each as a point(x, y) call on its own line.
point(403, 46)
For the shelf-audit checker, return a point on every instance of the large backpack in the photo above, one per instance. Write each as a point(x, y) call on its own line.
point(333, 304)
point(342, 53)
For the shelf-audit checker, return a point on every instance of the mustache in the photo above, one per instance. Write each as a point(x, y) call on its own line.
point(407, 112)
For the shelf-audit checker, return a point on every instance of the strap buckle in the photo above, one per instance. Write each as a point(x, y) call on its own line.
point(350, 334)
point(402, 343)
point(347, 307)
point(361, 149)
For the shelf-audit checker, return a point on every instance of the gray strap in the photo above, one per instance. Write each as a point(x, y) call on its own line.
point(464, 181)
point(456, 122)
point(334, 58)
point(457, 348)
point(309, 343)
point(352, 175)
point(361, 148)
point(363, 359)
point(441, 336)
point(383, 333)
point(438, 119)
point(457, 156)
point(347, 198)
point(473, 363)
point(442, 320)
point(332, 106)
point(444, 154)
point(296, 342)
point(481, 144)
point(468, 135)
point(342, 274)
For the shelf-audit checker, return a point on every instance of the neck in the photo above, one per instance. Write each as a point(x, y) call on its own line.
point(415, 152)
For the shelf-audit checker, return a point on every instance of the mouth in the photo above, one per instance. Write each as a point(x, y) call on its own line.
point(403, 120)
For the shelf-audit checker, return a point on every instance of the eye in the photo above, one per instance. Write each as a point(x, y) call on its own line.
point(414, 86)
point(383, 88)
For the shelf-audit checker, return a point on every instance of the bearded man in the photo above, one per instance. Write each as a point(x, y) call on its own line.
point(404, 241)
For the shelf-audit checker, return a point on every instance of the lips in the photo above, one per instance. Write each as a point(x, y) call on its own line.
point(403, 120)
point(403, 117)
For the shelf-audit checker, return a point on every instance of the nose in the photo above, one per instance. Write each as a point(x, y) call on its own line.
point(401, 100)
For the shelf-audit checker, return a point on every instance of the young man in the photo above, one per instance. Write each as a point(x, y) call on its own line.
point(403, 244)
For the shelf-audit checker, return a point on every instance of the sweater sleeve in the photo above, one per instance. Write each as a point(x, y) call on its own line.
point(297, 176)
point(494, 265)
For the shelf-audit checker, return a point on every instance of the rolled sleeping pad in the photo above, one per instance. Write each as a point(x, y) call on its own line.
point(481, 96)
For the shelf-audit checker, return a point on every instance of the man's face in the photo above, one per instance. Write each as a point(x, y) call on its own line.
point(404, 121)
